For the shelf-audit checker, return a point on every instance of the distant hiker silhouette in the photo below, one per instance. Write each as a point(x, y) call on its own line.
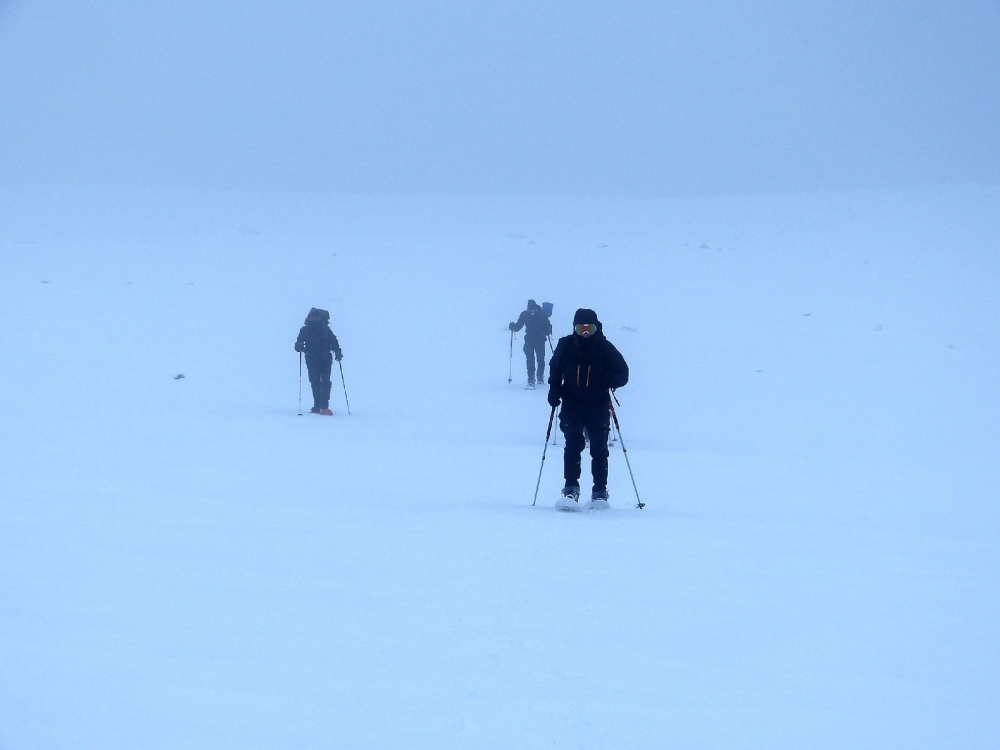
point(317, 341)
point(537, 327)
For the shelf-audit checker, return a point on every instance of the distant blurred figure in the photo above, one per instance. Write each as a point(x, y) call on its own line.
point(537, 328)
point(585, 367)
point(317, 341)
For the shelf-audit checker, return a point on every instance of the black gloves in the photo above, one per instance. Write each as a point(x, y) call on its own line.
point(512, 326)
point(339, 356)
point(298, 346)
point(554, 397)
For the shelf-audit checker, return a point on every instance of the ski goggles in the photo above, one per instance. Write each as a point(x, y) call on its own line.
point(585, 329)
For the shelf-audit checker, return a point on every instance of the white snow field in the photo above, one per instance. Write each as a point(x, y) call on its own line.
point(812, 422)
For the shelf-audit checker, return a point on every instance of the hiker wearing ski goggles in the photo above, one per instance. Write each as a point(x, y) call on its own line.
point(584, 368)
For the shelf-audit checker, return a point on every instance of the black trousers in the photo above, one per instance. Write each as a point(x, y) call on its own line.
point(534, 355)
point(320, 365)
point(574, 418)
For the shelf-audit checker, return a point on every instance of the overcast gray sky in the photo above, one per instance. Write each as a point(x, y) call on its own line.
point(622, 97)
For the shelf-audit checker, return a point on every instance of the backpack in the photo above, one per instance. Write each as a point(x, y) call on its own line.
point(323, 315)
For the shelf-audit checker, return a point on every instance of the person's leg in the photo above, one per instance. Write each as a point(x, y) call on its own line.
point(540, 362)
point(598, 422)
point(315, 383)
point(325, 372)
point(571, 424)
point(529, 360)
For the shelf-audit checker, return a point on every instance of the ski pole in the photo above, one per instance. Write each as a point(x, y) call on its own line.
point(510, 366)
point(639, 503)
point(300, 384)
point(345, 385)
point(552, 348)
point(544, 451)
point(555, 435)
point(555, 438)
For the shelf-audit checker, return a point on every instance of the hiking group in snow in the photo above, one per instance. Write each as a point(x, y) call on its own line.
point(584, 371)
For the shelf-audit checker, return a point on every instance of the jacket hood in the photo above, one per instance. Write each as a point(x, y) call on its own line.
point(323, 315)
point(586, 315)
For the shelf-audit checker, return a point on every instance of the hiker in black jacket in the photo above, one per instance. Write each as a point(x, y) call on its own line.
point(584, 368)
point(317, 341)
point(537, 329)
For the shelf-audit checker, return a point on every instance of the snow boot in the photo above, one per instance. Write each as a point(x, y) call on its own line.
point(598, 500)
point(569, 498)
point(314, 410)
point(326, 412)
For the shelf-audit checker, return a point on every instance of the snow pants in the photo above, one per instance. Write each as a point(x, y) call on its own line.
point(534, 355)
point(594, 417)
point(320, 366)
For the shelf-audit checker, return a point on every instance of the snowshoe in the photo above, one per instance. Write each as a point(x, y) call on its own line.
point(569, 499)
point(598, 500)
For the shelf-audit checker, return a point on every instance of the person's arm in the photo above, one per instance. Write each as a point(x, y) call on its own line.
point(617, 367)
point(522, 319)
point(556, 375)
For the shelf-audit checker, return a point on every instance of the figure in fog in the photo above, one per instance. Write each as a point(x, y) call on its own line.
point(585, 367)
point(537, 328)
point(320, 346)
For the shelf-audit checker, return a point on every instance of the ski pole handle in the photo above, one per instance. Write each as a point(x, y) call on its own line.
point(548, 431)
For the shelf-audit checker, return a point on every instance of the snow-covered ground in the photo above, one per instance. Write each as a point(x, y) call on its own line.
point(812, 422)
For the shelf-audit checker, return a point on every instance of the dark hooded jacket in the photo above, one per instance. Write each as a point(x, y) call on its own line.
point(315, 337)
point(536, 324)
point(586, 369)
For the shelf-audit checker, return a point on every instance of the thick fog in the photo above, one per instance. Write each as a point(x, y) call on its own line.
point(599, 97)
